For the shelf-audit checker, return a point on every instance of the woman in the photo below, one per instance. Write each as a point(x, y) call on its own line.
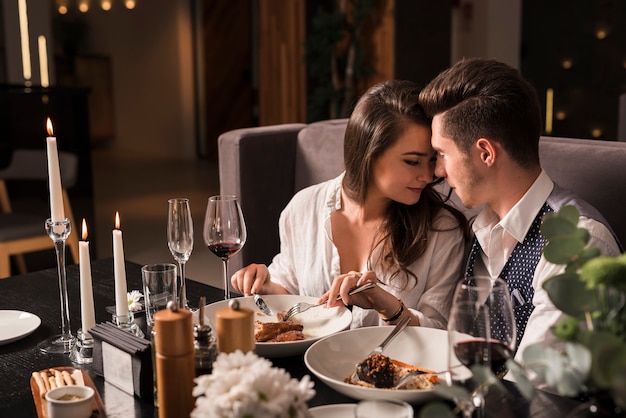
point(379, 221)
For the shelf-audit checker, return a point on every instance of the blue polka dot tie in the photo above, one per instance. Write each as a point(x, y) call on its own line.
point(518, 272)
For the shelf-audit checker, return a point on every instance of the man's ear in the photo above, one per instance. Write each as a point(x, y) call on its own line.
point(487, 151)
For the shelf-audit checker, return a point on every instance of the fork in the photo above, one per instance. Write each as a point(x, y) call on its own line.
point(300, 307)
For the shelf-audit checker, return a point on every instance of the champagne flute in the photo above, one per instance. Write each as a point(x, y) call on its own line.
point(481, 331)
point(180, 240)
point(224, 230)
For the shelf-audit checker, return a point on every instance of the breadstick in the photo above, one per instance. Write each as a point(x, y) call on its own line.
point(58, 378)
point(67, 378)
point(53, 382)
point(40, 384)
point(78, 378)
point(44, 377)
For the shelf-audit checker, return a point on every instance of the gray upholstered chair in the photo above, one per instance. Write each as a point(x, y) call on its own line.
point(22, 233)
point(265, 166)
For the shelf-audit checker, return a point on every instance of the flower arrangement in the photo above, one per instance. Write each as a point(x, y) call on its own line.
point(248, 386)
point(591, 292)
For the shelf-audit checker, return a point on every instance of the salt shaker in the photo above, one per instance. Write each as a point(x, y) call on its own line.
point(174, 355)
point(205, 346)
point(235, 328)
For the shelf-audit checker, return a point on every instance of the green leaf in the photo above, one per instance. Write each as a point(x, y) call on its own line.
point(436, 409)
point(454, 393)
point(570, 213)
point(545, 361)
point(563, 249)
point(582, 234)
point(570, 295)
point(554, 227)
point(580, 357)
point(608, 357)
point(520, 376)
point(587, 254)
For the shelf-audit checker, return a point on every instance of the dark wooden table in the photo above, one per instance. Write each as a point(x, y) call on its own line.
point(38, 293)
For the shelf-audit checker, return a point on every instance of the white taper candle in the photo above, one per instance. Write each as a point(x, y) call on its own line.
point(121, 296)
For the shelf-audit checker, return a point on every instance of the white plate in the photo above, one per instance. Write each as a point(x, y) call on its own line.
point(17, 324)
point(340, 410)
point(332, 359)
point(318, 322)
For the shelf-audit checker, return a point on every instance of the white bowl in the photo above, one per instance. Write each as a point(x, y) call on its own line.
point(333, 359)
point(318, 322)
point(74, 408)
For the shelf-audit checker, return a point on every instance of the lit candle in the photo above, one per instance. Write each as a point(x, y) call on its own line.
point(121, 297)
point(88, 317)
point(54, 177)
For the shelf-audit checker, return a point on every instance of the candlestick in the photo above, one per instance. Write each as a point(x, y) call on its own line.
point(121, 297)
point(88, 318)
point(54, 177)
point(62, 343)
point(58, 229)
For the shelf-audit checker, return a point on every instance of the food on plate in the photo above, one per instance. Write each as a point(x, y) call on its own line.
point(380, 371)
point(52, 378)
point(277, 331)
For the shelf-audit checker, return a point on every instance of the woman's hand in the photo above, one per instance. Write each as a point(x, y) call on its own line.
point(376, 298)
point(386, 304)
point(255, 279)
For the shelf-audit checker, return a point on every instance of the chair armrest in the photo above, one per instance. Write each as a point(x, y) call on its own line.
point(258, 165)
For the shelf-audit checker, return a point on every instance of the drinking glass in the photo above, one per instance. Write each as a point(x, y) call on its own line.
point(481, 331)
point(224, 230)
point(180, 240)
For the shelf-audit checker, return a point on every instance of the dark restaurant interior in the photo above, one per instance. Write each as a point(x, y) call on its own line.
point(142, 91)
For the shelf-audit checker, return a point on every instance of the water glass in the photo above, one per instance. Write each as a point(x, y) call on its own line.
point(378, 408)
point(159, 284)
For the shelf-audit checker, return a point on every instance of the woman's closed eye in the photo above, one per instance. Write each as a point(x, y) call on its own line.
point(413, 162)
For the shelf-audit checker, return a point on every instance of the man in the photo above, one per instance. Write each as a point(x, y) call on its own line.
point(486, 128)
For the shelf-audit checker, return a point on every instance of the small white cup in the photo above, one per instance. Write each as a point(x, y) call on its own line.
point(70, 402)
point(383, 408)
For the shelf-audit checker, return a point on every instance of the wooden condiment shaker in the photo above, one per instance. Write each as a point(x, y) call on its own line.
point(235, 328)
point(174, 355)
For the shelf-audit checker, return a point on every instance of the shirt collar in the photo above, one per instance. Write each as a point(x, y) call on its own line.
point(521, 216)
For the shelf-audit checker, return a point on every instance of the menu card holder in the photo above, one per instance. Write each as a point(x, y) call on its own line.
point(123, 359)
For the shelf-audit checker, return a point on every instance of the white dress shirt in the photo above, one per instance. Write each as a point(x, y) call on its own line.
point(498, 238)
point(309, 261)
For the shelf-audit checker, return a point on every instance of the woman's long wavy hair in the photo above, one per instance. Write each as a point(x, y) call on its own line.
point(379, 118)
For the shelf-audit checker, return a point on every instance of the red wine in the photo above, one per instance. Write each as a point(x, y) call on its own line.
point(473, 352)
point(225, 249)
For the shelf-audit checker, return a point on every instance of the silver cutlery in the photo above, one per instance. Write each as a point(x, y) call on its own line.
point(362, 368)
point(260, 303)
point(304, 306)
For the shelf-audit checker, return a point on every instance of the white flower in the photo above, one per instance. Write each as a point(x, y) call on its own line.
point(134, 298)
point(248, 386)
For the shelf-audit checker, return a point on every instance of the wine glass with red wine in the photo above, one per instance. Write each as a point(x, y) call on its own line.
point(224, 230)
point(482, 333)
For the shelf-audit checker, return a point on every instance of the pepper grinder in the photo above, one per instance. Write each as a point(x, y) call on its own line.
point(174, 361)
point(235, 328)
point(204, 345)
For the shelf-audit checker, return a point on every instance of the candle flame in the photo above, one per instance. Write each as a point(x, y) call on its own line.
point(117, 220)
point(49, 127)
point(84, 230)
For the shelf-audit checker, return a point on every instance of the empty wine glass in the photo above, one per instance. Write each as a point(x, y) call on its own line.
point(481, 331)
point(224, 230)
point(180, 240)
